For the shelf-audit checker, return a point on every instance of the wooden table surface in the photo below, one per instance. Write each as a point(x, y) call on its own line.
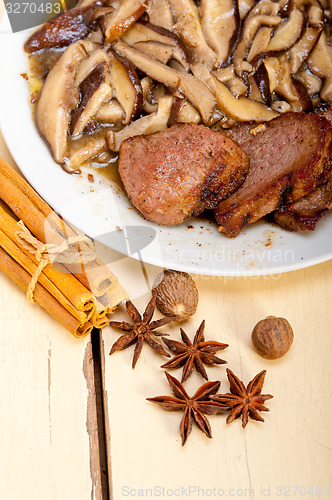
point(74, 422)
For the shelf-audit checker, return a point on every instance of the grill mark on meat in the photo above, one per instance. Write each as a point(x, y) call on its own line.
point(175, 174)
point(287, 161)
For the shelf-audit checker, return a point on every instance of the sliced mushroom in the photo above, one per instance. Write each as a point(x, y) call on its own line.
point(160, 13)
point(288, 32)
point(163, 53)
point(110, 112)
point(105, 10)
point(95, 57)
point(273, 67)
point(281, 106)
point(95, 90)
point(151, 94)
point(126, 86)
point(301, 50)
point(260, 42)
point(145, 125)
point(236, 86)
point(188, 27)
point(226, 75)
point(320, 63)
point(264, 13)
point(59, 97)
point(239, 108)
point(97, 36)
point(220, 25)
point(316, 14)
point(254, 93)
point(250, 28)
point(245, 6)
point(90, 149)
point(241, 68)
point(261, 77)
point(285, 8)
point(183, 112)
point(192, 88)
point(280, 77)
point(284, 84)
point(65, 29)
point(283, 79)
point(312, 83)
point(146, 32)
point(303, 101)
point(257, 41)
point(116, 23)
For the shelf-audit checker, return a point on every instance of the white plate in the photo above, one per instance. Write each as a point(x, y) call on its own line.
point(103, 212)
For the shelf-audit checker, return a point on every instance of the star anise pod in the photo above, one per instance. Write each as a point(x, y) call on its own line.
point(141, 330)
point(190, 354)
point(247, 402)
point(195, 408)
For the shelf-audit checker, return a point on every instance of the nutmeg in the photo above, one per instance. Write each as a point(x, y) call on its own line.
point(272, 337)
point(176, 294)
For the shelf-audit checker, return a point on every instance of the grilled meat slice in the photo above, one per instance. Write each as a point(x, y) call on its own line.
point(288, 159)
point(303, 215)
point(175, 174)
point(327, 113)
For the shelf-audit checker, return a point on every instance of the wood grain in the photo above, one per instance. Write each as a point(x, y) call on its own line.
point(294, 445)
point(48, 414)
point(49, 449)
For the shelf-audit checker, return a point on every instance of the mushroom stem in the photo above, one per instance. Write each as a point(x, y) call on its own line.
point(192, 88)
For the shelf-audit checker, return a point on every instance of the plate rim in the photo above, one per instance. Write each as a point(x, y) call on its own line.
point(149, 259)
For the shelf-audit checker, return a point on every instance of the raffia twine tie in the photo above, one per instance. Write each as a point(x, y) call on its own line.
point(48, 253)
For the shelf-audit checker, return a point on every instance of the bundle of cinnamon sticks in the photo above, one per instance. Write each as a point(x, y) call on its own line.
point(80, 293)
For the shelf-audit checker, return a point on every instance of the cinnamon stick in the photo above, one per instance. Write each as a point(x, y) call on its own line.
point(33, 210)
point(112, 295)
point(43, 297)
point(101, 322)
point(62, 285)
point(26, 263)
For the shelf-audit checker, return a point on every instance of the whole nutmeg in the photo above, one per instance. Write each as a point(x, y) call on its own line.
point(272, 337)
point(176, 294)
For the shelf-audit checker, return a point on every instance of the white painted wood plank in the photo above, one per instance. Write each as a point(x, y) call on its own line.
point(293, 448)
point(48, 432)
point(45, 450)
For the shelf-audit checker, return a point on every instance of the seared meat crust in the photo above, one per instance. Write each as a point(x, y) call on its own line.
point(303, 215)
point(175, 174)
point(288, 159)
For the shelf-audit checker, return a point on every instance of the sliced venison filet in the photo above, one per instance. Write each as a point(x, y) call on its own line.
point(287, 161)
point(175, 174)
point(303, 214)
